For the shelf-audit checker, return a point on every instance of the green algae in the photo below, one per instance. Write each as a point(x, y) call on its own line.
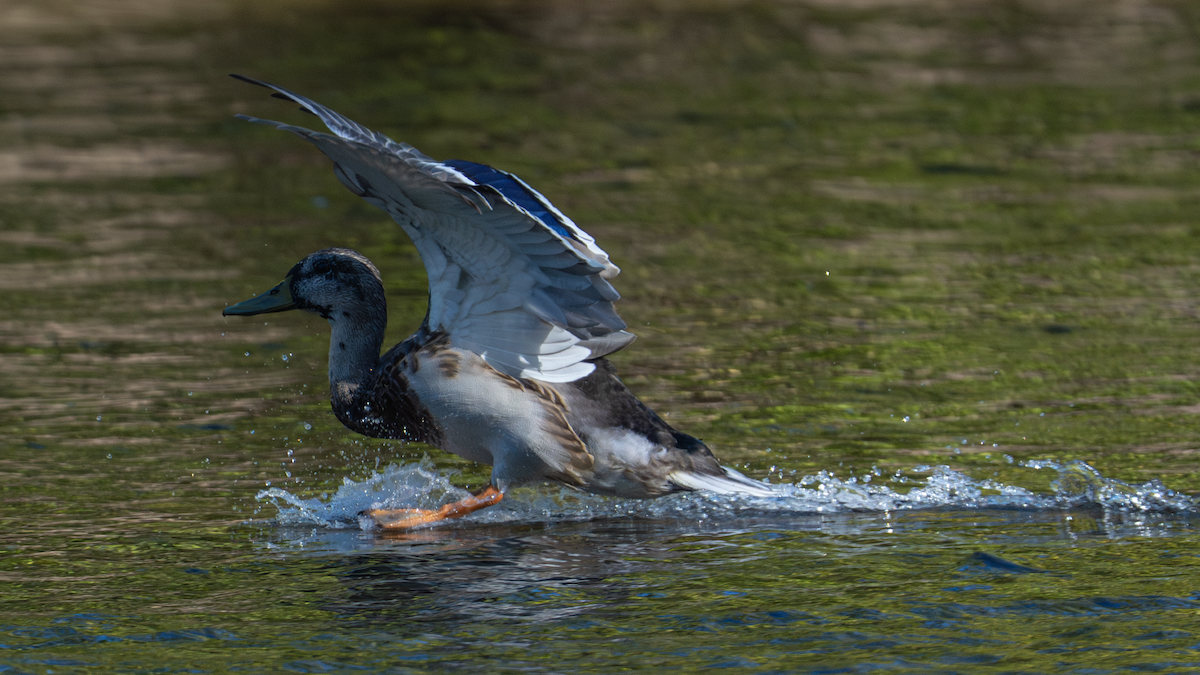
point(853, 240)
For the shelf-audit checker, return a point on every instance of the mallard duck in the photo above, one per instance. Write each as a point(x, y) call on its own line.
point(509, 366)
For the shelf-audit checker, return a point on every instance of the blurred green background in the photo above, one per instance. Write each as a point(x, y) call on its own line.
point(856, 237)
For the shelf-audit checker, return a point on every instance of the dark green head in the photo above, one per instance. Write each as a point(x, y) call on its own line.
point(332, 283)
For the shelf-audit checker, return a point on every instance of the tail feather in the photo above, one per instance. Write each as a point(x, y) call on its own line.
point(732, 483)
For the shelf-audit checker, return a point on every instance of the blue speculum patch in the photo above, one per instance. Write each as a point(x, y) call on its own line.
point(508, 185)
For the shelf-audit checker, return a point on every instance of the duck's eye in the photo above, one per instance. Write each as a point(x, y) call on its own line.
point(322, 267)
point(274, 291)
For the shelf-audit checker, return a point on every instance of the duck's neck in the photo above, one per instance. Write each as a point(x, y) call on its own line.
point(356, 336)
point(370, 393)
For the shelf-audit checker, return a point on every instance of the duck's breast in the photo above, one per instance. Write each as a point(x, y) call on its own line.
point(518, 426)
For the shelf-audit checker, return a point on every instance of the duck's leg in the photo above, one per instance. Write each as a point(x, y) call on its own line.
point(406, 519)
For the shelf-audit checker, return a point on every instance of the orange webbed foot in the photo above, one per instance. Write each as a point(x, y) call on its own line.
point(407, 519)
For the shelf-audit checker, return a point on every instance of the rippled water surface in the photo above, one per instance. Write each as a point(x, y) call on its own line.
point(930, 270)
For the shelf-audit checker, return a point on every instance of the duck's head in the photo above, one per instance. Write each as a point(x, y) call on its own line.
point(335, 283)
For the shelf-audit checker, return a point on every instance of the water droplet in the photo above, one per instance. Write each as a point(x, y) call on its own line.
point(307, 426)
point(99, 417)
point(906, 418)
point(247, 353)
point(251, 431)
point(284, 357)
point(109, 456)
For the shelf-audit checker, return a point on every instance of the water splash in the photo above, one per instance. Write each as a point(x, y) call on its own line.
point(421, 485)
point(1079, 484)
point(418, 485)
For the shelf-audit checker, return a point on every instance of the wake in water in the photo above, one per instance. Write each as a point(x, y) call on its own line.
point(420, 485)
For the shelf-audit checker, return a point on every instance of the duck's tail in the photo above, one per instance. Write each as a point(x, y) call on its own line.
point(732, 483)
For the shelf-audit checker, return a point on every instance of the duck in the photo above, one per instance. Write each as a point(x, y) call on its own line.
point(509, 367)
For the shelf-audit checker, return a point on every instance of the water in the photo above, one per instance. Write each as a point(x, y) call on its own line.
point(929, 272)
point(420, 485)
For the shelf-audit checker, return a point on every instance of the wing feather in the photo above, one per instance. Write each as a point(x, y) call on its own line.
point(511, 277)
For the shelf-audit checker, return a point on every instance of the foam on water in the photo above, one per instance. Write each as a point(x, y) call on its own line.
point(398, 486)
point(421, 485)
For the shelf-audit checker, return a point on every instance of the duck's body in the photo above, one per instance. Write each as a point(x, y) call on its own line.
point(509, 366)
point(592, 434)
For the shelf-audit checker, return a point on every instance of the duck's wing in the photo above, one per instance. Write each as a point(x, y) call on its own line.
point(510, 277)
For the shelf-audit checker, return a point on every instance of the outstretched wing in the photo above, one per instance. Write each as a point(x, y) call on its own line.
point(510, 277)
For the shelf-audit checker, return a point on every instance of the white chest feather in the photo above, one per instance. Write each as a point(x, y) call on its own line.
point(492, 418)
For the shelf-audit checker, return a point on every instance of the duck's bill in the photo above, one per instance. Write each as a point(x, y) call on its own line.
point(278, 299)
